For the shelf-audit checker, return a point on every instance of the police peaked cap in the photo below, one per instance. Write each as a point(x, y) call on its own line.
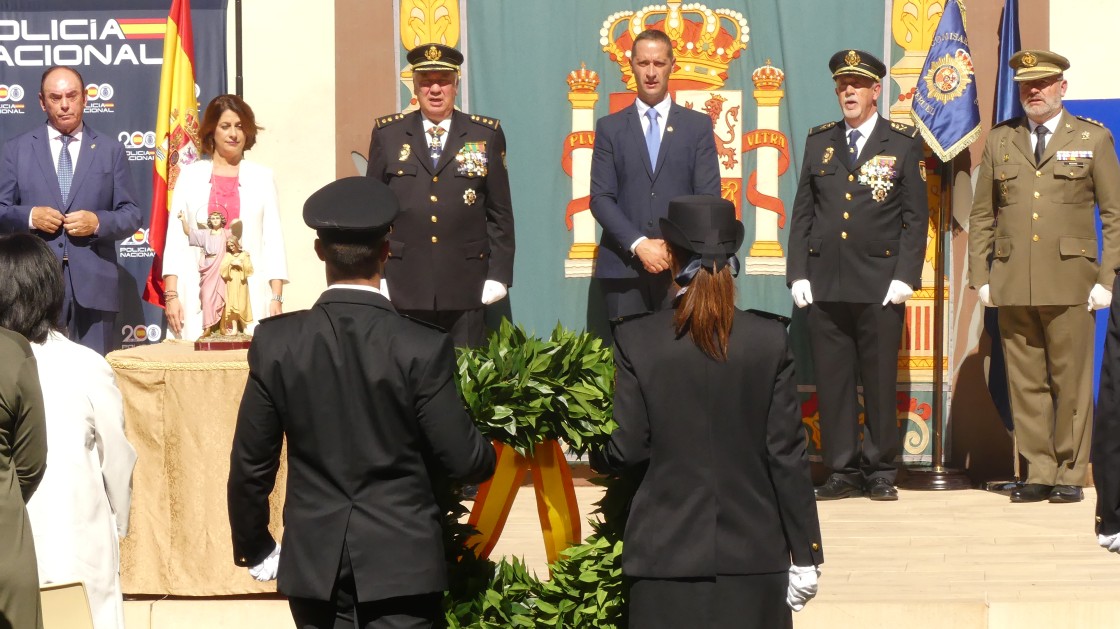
point(351, 209)
point(857, 62)
point(435, 58)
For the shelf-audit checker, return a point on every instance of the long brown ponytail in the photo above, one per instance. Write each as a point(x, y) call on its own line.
point(707, 309)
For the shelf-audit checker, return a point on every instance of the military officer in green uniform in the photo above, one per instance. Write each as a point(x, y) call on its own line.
point(857, 241)
point(1033, 252)
point(451, 250)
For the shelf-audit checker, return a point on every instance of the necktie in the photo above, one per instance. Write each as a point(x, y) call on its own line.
point(65, 167)
point(435, 146)
point(1040, 145)
point(653, 137)
point(853, 150)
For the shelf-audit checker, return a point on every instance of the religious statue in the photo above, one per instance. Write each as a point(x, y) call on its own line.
point(235, 271)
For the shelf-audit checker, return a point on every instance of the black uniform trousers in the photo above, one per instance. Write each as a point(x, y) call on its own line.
point(742, 601)
point(849, 339)
point(418, 611)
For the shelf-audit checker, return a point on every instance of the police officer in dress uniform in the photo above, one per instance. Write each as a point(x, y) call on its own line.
point(1033, 253)
point(368, 403)
point(856, 246)
point(451, 250)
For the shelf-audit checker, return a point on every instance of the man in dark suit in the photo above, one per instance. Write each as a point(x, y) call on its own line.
point(645, 155)
point(856, 245)
point(451, 251)
point(368, 403)
point(71, 185)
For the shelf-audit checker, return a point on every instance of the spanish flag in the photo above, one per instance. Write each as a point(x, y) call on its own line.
point(176, 132)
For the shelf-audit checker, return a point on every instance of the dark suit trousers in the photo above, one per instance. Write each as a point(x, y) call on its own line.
point(638, 296)
point(849, 339)
point(95, 329)
point(342, 612)
point(466, 327)
point(1049, 352)
point(747, 601)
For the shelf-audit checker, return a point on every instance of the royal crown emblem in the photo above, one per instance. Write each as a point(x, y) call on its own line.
point(705, 41)
point(768, 77)
point(583, 80)
point(852, 58)
point(432, 53)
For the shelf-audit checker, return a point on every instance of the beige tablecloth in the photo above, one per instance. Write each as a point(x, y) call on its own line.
point(180, 409)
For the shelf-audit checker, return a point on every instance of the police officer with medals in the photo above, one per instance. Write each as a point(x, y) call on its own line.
point(1032, 252)
point(451, 250)
point(856, 247)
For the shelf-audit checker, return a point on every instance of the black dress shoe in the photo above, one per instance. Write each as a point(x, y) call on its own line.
point(836, 488)
point(1066, 493)
point(1031, 492)
point(881, 489)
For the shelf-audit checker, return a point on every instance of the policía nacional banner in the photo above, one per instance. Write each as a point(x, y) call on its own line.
point(117, 46)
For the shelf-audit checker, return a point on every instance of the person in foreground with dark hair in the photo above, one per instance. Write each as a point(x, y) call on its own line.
point(80, 512)
point(723, 529)
point(368, 402)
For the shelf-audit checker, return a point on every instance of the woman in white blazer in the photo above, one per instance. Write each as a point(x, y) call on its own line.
point(80, 512)
point(239, 189)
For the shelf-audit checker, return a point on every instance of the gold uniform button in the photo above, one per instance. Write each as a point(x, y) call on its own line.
point(848, 196)
point(1035, 238)
point(888, 253)
point(1034, 216)
point(435, 219)
point(851, 177)
point(844, 235)
point(435, 239)
point(816, 546)
point(845, 216)
point(433, 198)
point(435, 179)
point(1037, 195)
point(400, 172)
point(1082, 252)
point(1038, 173)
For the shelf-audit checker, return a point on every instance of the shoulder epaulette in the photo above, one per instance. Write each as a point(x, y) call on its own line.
point(385, 121)
point(1090, 120)
point(422, 322)
point(771, 315)
point(904, 129)
point(484, 121)
point(824, 127)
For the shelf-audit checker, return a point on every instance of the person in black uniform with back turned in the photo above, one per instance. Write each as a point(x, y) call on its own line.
point(857, 241)
point(723, 530)
point(451, 250)
point(368, 402)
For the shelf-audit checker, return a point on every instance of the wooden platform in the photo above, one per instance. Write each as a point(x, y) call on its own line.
point(932, 560)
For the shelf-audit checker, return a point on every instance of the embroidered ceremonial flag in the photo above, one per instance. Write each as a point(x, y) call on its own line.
point(176, 133)
point(945, 108)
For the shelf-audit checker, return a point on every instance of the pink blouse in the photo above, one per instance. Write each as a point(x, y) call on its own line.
point(224, 197)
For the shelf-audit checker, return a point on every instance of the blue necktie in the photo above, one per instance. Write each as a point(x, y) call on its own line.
point(653, 137)
point(65, 168)
point(853, 150)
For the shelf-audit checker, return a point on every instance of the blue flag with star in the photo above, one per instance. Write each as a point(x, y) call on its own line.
point(945, 107)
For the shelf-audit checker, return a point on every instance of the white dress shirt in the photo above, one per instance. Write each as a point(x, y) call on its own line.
point(864, 129)
point(1051, 127)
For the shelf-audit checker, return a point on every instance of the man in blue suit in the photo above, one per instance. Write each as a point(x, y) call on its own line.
point(644, 156)
point(71, 186)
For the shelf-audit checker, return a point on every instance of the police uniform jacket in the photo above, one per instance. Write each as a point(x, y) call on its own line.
point(727, 490)
point(368, 403)
point(1037, 223)
point(455, 230)
point(854, 229)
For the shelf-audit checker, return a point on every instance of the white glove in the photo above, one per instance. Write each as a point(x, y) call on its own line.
point(1099, 297)
point(985, 295)
point(384, 288)
point(1110, 542)
point(492, 291)
point(898, 293)
point(802, 295)
point(266, 570)
point(802, 586)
